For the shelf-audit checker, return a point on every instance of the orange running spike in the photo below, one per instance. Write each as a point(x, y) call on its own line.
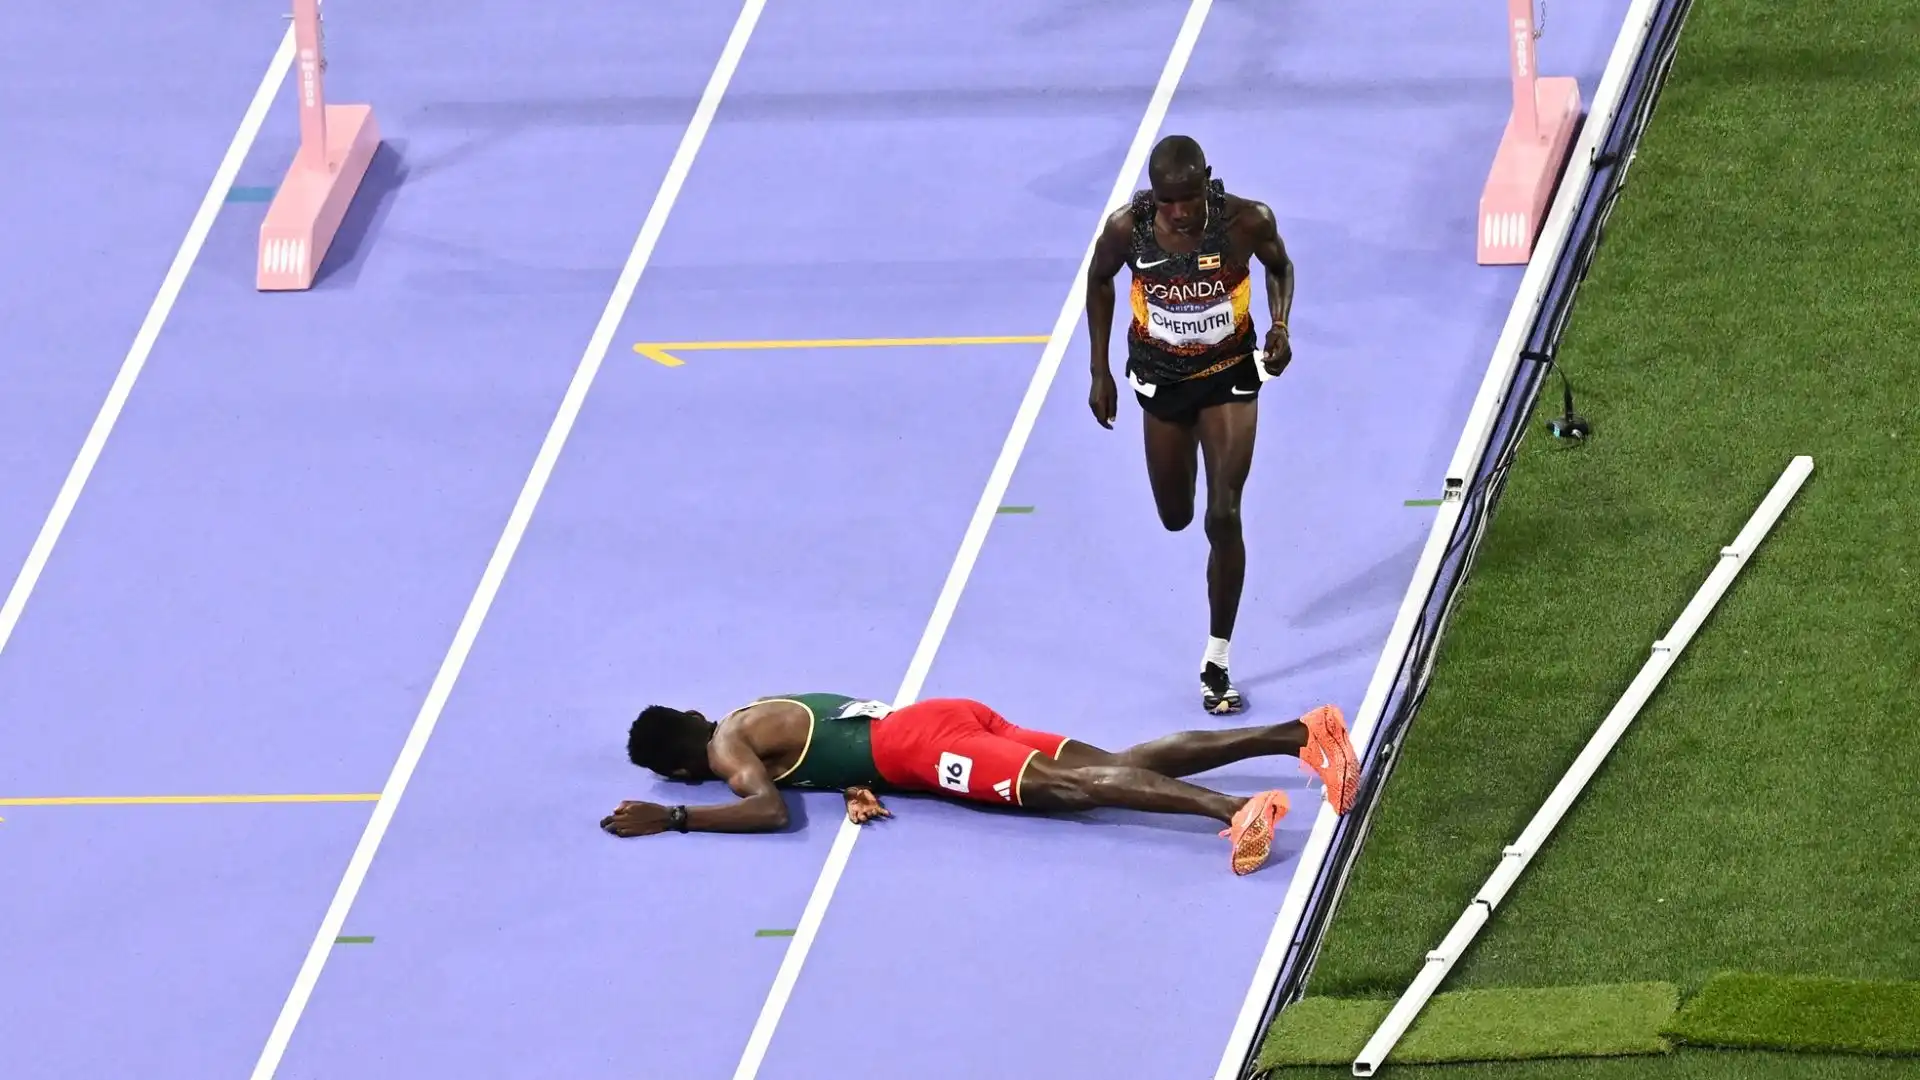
point(1329, 752)
point(1252, 830)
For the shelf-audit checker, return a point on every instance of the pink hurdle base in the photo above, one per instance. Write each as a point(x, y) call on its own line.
point(337, 143)
point(308, 208)
point(1539, 134)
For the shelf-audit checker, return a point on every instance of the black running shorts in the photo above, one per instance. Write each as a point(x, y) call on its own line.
point(1181, 402)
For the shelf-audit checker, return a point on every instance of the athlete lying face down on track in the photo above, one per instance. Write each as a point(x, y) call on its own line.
point(962, 749)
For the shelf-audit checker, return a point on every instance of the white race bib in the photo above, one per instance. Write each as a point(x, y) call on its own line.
point(1184, 329)
point(955, 772)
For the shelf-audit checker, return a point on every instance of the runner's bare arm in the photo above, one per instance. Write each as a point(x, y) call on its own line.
point(1109, 255)
point(760, 809)
point(1272, 253)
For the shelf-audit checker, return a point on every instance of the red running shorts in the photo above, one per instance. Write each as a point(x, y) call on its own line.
point(957, 747)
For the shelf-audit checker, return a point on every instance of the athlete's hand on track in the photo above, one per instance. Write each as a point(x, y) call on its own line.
point(863, 806)
point(1104, 399)
point(636, 819)
point(1279, 350)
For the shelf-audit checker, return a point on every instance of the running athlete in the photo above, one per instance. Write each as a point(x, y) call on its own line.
point(1191, 358)
point(961, 749)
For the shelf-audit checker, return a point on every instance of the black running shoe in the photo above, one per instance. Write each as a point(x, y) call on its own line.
point(1217, 694)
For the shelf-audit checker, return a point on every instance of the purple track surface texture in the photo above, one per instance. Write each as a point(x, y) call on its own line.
point(270, 560)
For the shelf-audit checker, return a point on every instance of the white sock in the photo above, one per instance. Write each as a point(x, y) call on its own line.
point(1217, 652)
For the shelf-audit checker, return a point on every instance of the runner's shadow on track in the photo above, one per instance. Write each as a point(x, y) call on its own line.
point(1380, 585)
point(368, 210)
point(796, 811)
point(1164, 824)
point(1309, 665)
point(1305, 802)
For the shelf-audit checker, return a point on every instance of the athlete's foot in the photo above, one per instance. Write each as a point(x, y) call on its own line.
point(1252, 830)
point(1329, 752)
point(1217, 692)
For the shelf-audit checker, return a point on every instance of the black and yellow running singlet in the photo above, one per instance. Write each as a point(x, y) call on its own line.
point(839, 750)
point(1191, 312)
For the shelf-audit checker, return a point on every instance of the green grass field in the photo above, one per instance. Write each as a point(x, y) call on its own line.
point(1755, 299)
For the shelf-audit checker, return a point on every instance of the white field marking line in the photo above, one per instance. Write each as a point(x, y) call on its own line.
point(1474, 436)
point(149, 332)
point(503, 552)
point(984, 513)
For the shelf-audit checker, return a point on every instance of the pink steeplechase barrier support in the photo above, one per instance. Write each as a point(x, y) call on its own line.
point(337, 143)
point(1539, 134)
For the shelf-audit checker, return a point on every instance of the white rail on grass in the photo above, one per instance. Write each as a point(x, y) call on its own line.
point(1515, 857)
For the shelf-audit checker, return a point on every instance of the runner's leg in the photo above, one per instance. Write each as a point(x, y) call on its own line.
point(1226, 437)
point(1050, 785)
point(1172, 467)
point(1185, 753)
point(982, 758)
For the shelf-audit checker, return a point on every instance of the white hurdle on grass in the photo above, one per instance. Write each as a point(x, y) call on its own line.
point(1515, 857)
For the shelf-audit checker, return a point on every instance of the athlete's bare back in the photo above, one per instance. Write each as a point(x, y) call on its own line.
point(773, 732)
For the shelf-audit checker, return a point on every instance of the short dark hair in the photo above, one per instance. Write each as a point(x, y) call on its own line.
point(1176, 157)
point(664, 739)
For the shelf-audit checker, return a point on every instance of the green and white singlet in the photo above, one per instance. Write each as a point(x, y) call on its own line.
point(839, 750)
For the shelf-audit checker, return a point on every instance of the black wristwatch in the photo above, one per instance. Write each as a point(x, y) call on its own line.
point(677, 819)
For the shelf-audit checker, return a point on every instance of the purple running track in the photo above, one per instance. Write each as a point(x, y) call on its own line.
point(1120, 945)
point(816, 498)
point(261, 577)
point(269, 563)
point(114, 126)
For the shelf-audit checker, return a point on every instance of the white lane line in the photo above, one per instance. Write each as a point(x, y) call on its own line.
point(984, 513)
point(503, 552)
point(149, 332)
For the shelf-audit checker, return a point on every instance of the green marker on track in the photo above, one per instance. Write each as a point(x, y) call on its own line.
point(1424, 502)
point(1016, 510)
point(353, 941)
point(773, 933)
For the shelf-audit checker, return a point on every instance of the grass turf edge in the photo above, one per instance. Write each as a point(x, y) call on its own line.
point(1505, 1024)
point(1802, 1013)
